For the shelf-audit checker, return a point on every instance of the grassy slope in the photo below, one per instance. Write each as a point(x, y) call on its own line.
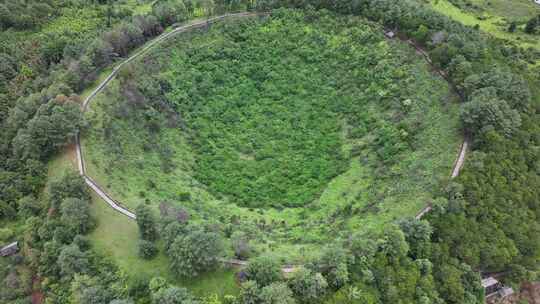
point(512, 10)
point(406, 197)
point(495, 24)
point(116, 237)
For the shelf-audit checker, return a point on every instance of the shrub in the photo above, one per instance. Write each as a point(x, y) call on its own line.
point(264, 270)
point(146, 249)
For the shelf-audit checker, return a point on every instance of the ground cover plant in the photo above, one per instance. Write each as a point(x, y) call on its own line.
point(332, 118)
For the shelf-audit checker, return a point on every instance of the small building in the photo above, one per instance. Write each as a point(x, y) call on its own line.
point(438, 37)
point(10, 249)
point(505, 292)
point(494, 289)
point(537, 2)
point(391, 34)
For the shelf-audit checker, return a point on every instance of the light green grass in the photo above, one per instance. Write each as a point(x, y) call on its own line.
point(116, 236)
point(512, 10)
point(495, 25)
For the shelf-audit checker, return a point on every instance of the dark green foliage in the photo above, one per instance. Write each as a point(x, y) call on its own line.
point(264, 270)
point(146, 249)
point(69, 185)
point(195, 252)
point(170, 11)
point(72, 261)
point(29, 206)
point(76, 215)
point(53, 125)
point(15, 283)
point(485, 112)
point(418, 235)
point(276, 293)
point(307, 286)
point(333, 265)
point(173, 295)
point(146, 222)
point(249, 293)
point(169, 232)
point(121, 302)
point(23, 15)
point(530, 26)
point(87, 290)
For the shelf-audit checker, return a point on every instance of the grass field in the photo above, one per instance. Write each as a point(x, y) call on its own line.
point(364, 196)
point(496, 18)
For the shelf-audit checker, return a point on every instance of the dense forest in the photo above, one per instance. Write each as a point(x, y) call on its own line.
point(484, 221)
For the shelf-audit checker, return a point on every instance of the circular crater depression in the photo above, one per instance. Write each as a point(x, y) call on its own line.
point(296, 127)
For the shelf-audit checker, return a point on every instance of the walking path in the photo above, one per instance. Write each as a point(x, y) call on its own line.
point(117, 206)
point(460, 160)
point(458, 164)
point(80, 160)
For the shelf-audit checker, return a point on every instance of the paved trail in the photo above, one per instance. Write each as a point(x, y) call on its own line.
point(460, 160)
point(117, 206)
point(80, 160)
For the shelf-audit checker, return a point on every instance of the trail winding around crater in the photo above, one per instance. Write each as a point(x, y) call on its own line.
point(163, 37)
point(458, 164)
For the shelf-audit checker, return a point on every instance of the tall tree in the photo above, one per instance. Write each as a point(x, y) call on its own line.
point(146, 222)
point(264, 270)
point(76, 215)
point(195, 252)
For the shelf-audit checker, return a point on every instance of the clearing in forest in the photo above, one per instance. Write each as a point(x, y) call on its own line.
point(294, 129)
point(495, 17)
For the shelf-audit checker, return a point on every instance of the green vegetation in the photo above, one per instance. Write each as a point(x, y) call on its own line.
point(122, 247)
point(304, 131)
point(75, 249)
point(496, 17)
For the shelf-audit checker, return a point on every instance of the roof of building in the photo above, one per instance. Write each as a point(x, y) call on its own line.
point(489, 281)
point(9, 249)
point(505, 292)
point(12, 245)
point(389, 34)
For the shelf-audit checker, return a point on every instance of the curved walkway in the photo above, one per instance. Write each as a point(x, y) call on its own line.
point(80, 160)
point(117, 206)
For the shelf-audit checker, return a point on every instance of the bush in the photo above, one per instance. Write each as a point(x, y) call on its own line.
point(195, 252)
point(146, 249)
point(5, 234)
point(264, 270)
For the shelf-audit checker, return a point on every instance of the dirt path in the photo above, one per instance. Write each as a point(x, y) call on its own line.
point(461, 158)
